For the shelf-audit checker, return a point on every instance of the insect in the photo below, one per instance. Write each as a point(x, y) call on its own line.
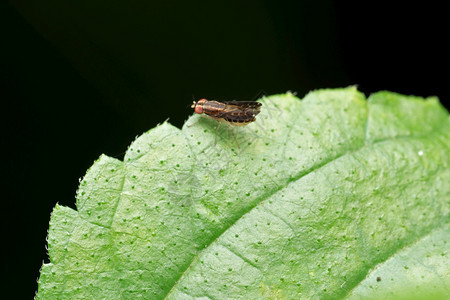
point(237, 113)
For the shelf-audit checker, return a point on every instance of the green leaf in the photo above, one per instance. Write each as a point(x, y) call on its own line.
point(420, 271)
point(313, 200)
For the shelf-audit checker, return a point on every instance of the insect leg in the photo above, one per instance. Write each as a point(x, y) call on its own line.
point(217, 131)
point(234, 134)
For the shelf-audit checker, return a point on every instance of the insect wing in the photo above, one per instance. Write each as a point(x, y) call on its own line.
point(242, 108)
point(245, 104)
point(240, 112)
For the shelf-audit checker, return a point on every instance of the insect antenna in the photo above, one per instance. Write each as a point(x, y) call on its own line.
point(193, 99)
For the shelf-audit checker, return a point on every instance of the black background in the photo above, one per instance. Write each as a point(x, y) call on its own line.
point(84, 78)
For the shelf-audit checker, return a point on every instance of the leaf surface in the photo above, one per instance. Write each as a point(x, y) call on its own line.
point(307, 202)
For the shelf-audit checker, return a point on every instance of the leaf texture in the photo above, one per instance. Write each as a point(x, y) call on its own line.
point(306, 202)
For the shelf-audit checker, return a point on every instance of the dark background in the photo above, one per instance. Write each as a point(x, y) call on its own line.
point(82, 78)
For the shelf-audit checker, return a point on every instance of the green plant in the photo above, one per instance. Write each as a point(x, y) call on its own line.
point(331, 196)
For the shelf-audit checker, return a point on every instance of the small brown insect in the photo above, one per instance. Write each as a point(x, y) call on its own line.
point(237, 113)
